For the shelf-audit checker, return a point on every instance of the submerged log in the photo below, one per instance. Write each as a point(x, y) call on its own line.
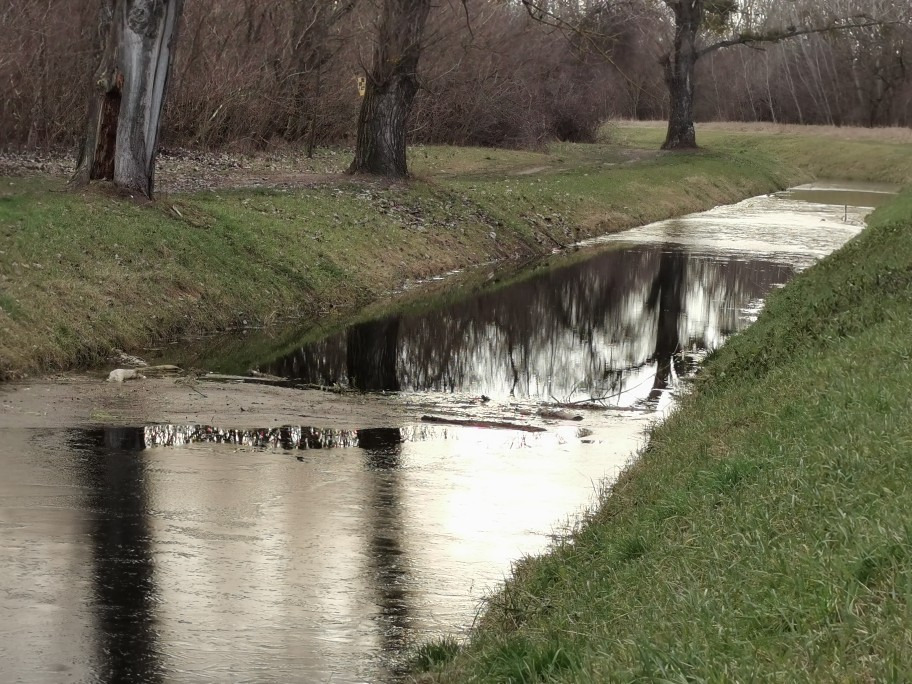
point(557, 414)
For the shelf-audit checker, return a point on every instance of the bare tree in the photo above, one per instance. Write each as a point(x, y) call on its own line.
point(137, 45)
point(313, 22)
point(700, 27)
point(698, 22)
point(613, 29)
point(254, 74)
point(392, 83)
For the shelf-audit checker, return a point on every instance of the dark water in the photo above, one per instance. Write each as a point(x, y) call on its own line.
point(309, 553)
point(620, 325)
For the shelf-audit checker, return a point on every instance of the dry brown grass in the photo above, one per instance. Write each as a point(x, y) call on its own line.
point(892, 134)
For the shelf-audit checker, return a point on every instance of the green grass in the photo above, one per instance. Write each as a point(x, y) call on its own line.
point(435, 653)
point(81, 273)
point(765, 534)
point(823, 152)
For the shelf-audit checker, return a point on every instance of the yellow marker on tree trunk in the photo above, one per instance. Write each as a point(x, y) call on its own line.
point(362, 85)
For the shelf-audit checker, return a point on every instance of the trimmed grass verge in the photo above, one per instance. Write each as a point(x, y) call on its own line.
point(81, 274)
point(765, 534)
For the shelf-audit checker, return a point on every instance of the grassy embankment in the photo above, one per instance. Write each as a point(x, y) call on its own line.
point(766, 532)
point(82, 273)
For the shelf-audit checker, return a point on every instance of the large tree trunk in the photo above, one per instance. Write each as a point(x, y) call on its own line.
point(392, 84)
point(96, 156)
point(131, 82)
point(679, 75)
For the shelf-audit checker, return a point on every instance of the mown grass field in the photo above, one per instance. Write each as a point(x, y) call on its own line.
point(765, 534)
point(851, 154)
point(82, 273)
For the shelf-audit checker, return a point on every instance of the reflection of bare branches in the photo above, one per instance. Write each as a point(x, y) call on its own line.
point(601, 399)
point(513, 370)
point(287, 436)
point(593, 328)
point(667, 300)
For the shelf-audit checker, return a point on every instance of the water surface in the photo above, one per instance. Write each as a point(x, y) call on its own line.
point(310, 553)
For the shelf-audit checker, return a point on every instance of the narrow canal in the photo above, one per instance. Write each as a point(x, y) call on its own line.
point(208, 552)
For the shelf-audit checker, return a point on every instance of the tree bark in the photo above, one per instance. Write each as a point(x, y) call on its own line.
point(314, 115)
point(131, 83)
point(96, 156)
point(392, 84)
point(679, 75)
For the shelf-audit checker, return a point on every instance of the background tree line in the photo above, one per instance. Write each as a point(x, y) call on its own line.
point(252, 73)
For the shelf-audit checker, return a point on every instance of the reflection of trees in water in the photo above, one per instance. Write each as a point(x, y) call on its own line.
point(125, 593)
point(371, 355)
point(382, 451)
point(590, 328)
point(388, 559)
point(363, 357)
point(666, 301)
point(286, 437)
point(114, 471)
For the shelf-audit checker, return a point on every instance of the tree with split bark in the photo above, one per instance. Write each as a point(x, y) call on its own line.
point(392, 83)
point(136, 40)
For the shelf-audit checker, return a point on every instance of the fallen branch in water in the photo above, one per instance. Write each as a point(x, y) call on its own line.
point(481, 424)
point(591, 405)
point(273, 381)
point(161, 371)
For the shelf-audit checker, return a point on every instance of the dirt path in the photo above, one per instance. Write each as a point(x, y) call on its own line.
point(186, 170)
point(191, 171)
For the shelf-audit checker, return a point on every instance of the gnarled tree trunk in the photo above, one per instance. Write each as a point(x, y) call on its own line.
point(392, 84)
point(131, 82)
point(679, 75)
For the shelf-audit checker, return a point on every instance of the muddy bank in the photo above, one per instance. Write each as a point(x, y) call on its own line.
point(66, 400)
point(82, 400)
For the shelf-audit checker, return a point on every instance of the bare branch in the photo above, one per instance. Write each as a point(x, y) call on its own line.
point(540, 12)
point(776, 36)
